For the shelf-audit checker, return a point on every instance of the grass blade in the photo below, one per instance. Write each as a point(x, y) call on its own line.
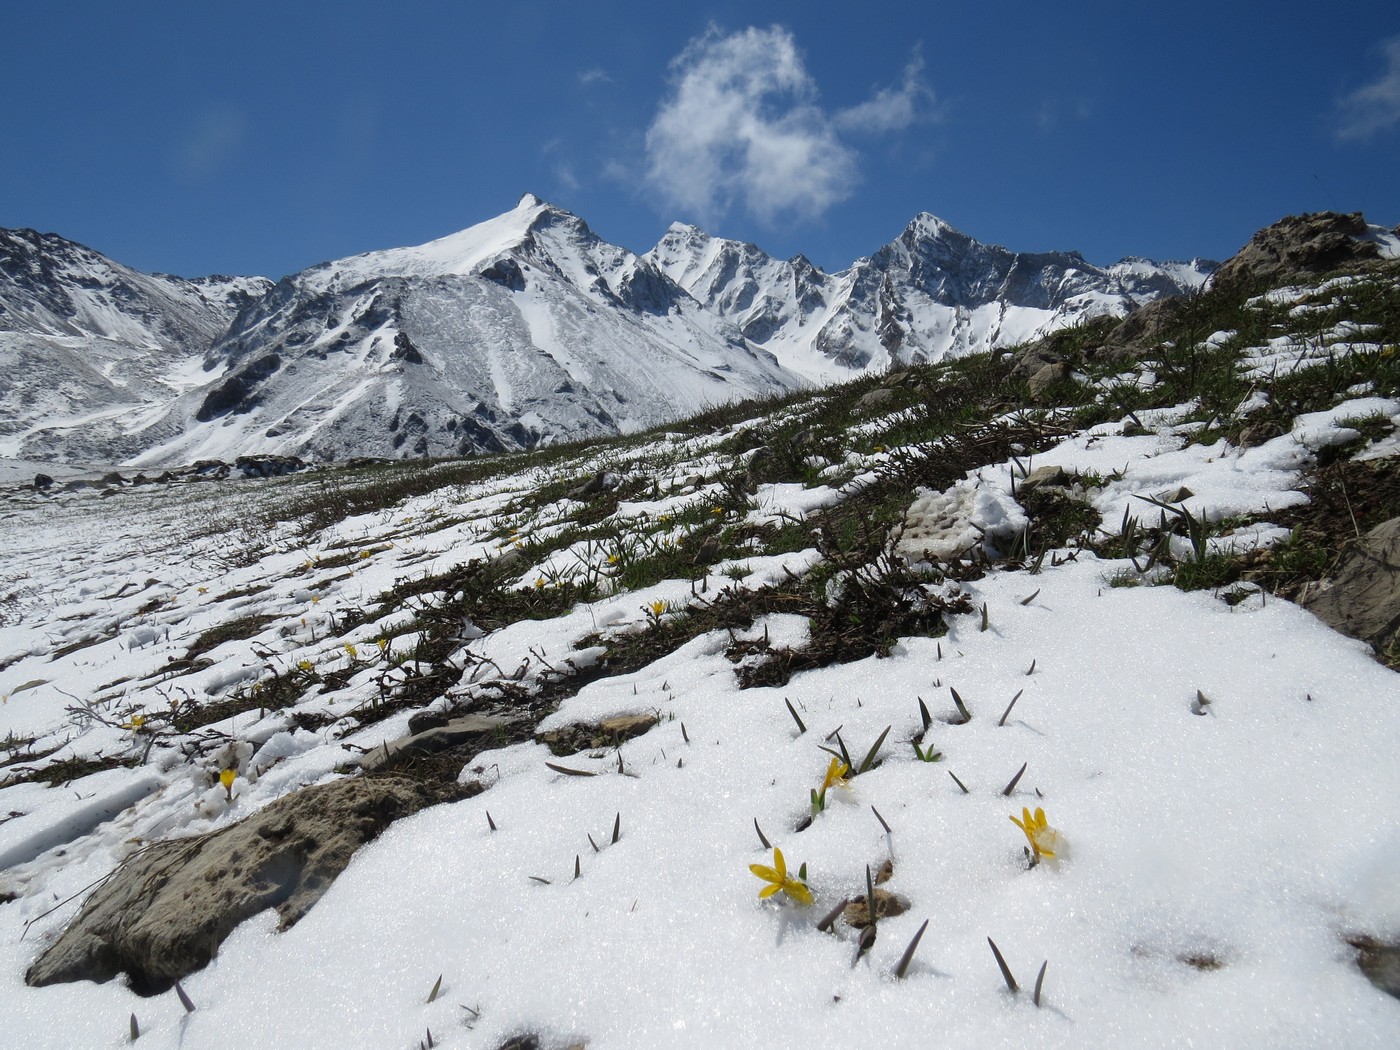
point(1005, 970)
point(908, 956)
point(870, 755)
point(830, 917)
point(185, 1000)
point(1014, 780)
point(1009, 706)
point(593, 844)
point(883, 823)
point(578, 867)
point(801, 726)
point(1030, 597)
point(924, 716)
point(489, 822)
point(135, 1029)
point(959, 782)
point(870, 896)
point(570, 772)
point(437, 987)
point(761, 836)
point(1039, 980)
point(962, 707)
point(617, 828)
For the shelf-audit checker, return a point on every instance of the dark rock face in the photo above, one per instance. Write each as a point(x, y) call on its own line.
point(165, 912)
point(1299, 244)
point(506, 273)
point(237, 393)
point(404, 350)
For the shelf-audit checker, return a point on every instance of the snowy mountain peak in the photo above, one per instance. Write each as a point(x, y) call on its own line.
point(521, 329)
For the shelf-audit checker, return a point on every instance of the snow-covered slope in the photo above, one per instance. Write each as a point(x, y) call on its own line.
point(525, 329)
point(83, 338)
point(931, 293)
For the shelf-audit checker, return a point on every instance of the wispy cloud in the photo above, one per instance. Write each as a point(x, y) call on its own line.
point(1375, 107)
point(216, 138)
point(594, 76)
point(742, 126)
point(891, 109)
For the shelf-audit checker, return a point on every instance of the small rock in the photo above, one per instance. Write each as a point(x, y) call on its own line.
point(598, 483)
point(570, 739)
point(42, 482)
point(887, 904)
point(1047, 475)
point(1180, 494)
point(425, 720)
point(1047, 376)
point(875, 400)
point(708, 552)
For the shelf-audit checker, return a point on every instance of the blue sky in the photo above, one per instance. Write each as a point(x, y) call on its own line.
point(266, 137)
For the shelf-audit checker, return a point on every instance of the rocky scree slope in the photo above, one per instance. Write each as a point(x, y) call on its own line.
point(88, 346)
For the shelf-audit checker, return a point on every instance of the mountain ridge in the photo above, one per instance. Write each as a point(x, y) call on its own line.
point(522, 330)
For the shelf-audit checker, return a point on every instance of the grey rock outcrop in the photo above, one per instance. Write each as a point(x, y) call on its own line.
point(167, 909)
point(1299, 244)
point(1363, 598)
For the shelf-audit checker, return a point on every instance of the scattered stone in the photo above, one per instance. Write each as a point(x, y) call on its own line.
point(610, 732)
point(422, 721)
point(603, 481)
point(1180, 494)
point(1142, 329)
point(1041, 476)
point(42, 482)
point(708, 552)
point(167, 909)
point(875, 400)
point(1252, 437)
point(1362, 599)
point(1047, 376)
point(113, 477)
point(268, 466)
point(887, 905)
point(898, 378)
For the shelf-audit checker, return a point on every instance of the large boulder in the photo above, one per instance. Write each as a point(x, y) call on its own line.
point(1363, 598)
point(166, 910)
point(1299, 244)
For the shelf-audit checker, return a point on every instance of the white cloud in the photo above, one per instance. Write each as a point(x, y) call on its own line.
point(594, 76)
point(742, 126)
point(891, 109)
point(1375, 107)
point(216, 139)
